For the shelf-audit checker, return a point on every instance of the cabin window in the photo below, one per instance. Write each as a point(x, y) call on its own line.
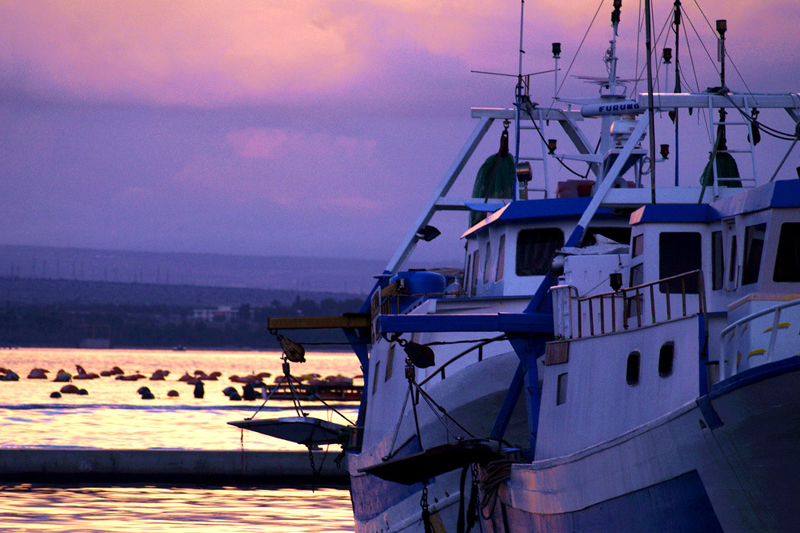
point(633, 303)
point(753, 247)
point(535, 250)
point(616, 234)
point(666, 358)
point(561, 392)
point(375, 377)
point(637, 275)
point(474, 281)
point(717, 261)
point(638, 246)
point(732, 264)
point(487, 265)
point(632, 371)
point(389, 362)
point(787, 262)
point(679, 252)
point(501, 258)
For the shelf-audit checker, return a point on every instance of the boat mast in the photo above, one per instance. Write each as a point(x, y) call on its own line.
point(677, 23)
point(520, 93)
point(650, 111)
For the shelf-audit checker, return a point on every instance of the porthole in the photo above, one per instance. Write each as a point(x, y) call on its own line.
point(632, 372)
point(666, 358)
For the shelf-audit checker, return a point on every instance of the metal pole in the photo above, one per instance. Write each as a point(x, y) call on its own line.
point(677, 82)
point(519, 94)
point(651, 111)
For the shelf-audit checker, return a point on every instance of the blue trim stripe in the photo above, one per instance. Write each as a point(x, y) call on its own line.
point(679, 504)
point(754, 375)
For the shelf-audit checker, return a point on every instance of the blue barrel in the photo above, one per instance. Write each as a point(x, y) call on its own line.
point(422, 282)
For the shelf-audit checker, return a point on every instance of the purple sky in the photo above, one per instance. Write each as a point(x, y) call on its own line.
point(287, 128)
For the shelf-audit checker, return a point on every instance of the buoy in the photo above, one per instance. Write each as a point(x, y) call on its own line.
point(38, 373)
point(249, 392)
point(9, 375)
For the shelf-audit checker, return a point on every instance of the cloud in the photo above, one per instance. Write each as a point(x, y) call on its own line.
point(178, 52)
point(238, 52)
point(258, 143)
point(286, 167)
point(218, 53)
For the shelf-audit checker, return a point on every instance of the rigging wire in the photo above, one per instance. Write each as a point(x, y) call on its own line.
point(766, 129)
point(578, 51)
point(689, 50)
point(640, 73)
point(697, 34)
point(702, 112)
point(536, 127)
point(639, 19)
point(726, 53)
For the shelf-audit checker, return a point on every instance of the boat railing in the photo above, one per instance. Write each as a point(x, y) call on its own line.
point(634, 307)
point(733, 339)
point(442, 369)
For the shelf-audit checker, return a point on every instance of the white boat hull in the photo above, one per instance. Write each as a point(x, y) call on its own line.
point(473, 397)
point(726, 462)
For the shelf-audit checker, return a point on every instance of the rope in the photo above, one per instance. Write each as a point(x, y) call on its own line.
point(493, 476)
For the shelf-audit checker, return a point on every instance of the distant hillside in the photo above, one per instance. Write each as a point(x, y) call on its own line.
point(71, 292)
point(211, 270)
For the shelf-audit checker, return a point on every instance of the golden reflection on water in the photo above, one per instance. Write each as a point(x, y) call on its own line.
point(114, 416)
point(157, 508)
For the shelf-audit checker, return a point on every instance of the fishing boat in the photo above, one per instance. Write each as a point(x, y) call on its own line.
point(614, 355)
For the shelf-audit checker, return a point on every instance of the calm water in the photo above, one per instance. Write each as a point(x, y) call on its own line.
point(114, 416)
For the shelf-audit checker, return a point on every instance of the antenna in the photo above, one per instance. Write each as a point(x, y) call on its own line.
point(556, 57)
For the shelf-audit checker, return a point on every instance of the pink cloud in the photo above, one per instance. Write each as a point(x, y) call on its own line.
point(214, 53)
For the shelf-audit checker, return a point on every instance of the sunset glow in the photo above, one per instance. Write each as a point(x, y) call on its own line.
point(125, 123)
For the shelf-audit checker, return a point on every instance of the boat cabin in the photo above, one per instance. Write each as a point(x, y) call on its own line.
point(509, 252)
point(690, 302)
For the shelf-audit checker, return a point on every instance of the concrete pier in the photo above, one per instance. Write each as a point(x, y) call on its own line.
point(78, 465)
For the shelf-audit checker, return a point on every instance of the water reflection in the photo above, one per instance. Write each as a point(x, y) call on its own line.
point(157, 508)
